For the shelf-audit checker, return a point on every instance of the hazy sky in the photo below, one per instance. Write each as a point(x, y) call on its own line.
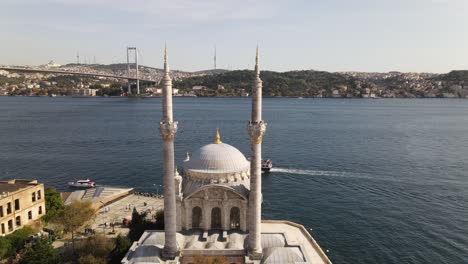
point(332, 35)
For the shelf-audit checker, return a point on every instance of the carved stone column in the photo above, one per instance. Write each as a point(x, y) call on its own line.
point(256, 131)
point(168, 130)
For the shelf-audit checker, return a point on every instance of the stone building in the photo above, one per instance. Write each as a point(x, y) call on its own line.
point(213, 192)
point(214, 207)
point(21, 203)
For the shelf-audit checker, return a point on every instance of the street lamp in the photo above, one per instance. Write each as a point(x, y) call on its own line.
point(157, 189)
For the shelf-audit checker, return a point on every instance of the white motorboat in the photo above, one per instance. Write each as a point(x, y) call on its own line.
point(82, 184)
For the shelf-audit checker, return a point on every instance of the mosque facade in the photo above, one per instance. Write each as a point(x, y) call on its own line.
point(214, 189)
point(213, 206)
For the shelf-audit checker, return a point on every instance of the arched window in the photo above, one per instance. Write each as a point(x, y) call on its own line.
point(196, 217)
point(216, 218)
point(234, 218)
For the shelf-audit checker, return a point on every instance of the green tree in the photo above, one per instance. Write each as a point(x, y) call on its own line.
point(19, 237)
point(5, 247)
point(53, 203)
point(137, 226)
point(122, 244)
point(41, 252)
point(159, 219)
point(74, 216)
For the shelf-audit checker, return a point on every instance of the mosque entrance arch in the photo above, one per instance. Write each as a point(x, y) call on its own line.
point(196, 217)
point(216, 218)
point(234, 218)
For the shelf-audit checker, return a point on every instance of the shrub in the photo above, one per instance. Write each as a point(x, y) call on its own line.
point(40, 252)
point(122, 244)
point(90, 259)
point(19, 238)
point(5, 247)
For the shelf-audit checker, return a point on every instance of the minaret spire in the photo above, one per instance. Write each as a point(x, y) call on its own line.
point(166, 65)
point(257, 67)
point(214, 57)
point(168, 129)
point(256, 129)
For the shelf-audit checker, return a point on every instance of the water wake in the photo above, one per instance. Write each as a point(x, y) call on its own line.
point(322, 173)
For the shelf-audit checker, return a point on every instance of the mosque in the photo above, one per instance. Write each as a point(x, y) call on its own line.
point(214, 207)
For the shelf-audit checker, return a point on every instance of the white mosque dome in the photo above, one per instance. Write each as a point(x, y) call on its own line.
point(216, 164)
point(217, 158)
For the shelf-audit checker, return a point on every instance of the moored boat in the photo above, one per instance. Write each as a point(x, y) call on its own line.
point(82, 184)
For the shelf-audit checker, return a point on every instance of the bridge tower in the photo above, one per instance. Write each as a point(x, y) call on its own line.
point(214, 59)
point(129, 50)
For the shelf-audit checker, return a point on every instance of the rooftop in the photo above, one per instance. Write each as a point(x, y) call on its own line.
point(14, 185)
point(282, 241)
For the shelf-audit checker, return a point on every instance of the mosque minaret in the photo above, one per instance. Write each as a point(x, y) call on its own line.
point(213, 207)
point(168, 128)
point(256, 129)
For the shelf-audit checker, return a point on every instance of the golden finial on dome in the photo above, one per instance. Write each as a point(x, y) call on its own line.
point(217, 137)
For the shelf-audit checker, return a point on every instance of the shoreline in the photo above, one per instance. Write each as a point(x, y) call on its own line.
point(239, 97)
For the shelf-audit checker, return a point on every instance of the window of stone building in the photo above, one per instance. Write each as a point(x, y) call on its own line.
point(8, 209)
point(10, 225)
point(30, 215)
point(1, 211)
point(18, 221)
point(40, 210)
point(33, 197)
point(17, 205)
point(3, 229)
point(39, 195)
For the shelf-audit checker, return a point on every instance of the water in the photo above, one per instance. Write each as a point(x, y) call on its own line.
point(378, 181)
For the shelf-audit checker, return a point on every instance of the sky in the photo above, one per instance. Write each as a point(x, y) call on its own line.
point(329, 35)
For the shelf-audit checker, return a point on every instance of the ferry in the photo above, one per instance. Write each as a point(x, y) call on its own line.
point(267, 165)
point(82, 184)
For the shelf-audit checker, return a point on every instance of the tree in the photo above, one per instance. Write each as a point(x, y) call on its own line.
point(137, 226)
point(94, 249)
point(159, 219)
point(41, 252)
point(74, 216)
point(53, 203)
point(5, 247)
point(19, 237)
point(122, 244)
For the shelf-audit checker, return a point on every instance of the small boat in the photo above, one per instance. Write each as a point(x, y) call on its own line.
point(82, 184)
point(267, 165)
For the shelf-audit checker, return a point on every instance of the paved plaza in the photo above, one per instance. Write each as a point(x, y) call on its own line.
point(122, 208)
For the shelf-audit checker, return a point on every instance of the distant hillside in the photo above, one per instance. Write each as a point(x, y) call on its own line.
point(119, 67)
point(293, 83)
point(455, 76)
